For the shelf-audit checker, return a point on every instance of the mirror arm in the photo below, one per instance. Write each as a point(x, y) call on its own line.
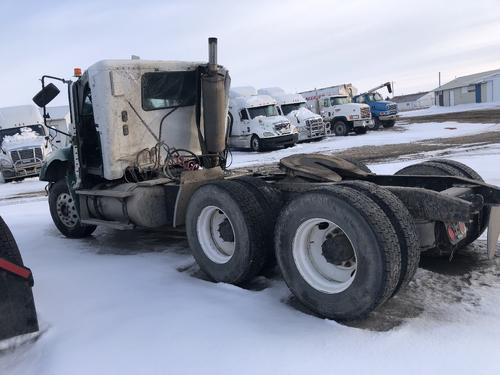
point(65, 81)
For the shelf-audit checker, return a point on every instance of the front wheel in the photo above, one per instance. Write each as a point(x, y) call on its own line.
point(255, 143)
point(65, 214)
point(340, 128)
point(389, 123)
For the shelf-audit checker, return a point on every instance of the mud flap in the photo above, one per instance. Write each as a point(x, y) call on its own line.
point(17, 308)
point(493, 231)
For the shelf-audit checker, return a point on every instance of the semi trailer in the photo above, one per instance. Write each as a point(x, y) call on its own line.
point(310, 125)
point(256, 123)
point(334, 105)
point(149, 149)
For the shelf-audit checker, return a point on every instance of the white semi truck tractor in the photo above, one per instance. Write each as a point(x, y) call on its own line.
point(24, 142)
point(149, 150)
point(310, 125)
point(256, 123)
point(334, 105)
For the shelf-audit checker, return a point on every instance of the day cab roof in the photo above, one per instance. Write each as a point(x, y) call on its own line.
point(146, 65)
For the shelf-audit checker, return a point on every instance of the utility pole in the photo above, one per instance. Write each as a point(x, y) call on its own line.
point(439, 79)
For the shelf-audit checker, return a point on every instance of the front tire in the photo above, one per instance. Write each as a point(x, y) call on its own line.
point(338, 252)
point(389, 123)
point(255, 143)
point(340, 128)
point(64, 212)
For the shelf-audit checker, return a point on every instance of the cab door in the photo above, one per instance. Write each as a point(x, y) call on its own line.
point(87, 133)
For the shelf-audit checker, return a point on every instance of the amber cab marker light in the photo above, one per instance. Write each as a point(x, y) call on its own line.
point(77, 72)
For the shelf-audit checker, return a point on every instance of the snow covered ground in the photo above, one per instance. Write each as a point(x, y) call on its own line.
point(399, 134)
point(130, 302)
point(436, 110)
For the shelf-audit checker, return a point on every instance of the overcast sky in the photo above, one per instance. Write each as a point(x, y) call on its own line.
point(298, 45)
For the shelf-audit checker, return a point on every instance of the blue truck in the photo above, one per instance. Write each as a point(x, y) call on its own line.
point(384, 112)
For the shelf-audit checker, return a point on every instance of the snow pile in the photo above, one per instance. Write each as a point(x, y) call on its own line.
point(304, 113)
point(25, 135)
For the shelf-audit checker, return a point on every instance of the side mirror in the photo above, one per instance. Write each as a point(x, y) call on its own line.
point(389, 88)
point(46, 95)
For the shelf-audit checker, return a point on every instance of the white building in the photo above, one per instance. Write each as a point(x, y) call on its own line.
point(410, 102)
point(475, 88)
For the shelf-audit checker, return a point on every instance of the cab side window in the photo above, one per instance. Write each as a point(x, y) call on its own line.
point(326, 103)
point(243, 114)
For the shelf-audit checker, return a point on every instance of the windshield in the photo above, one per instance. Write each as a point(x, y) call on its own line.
point(265, 110)
point(375, 97)
point(339, 100)
point(29, 131)
point(287, 108)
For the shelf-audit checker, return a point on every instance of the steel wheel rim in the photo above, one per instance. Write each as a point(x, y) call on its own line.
point(66, 210)
point(309, 251)
point(209, 227)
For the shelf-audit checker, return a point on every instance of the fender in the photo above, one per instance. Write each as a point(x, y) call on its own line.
point(54, 167)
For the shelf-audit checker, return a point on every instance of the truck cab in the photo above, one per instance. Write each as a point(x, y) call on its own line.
point(293, 106)
point(256, 123)
point(384, 112)
point(24, 143)
point(343, 115)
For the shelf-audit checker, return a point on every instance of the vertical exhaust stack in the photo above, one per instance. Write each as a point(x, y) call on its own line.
point(214, 86)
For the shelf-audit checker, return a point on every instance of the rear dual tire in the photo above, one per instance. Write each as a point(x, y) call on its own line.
point(343, 250)
point(228, 231)
point(338, 252)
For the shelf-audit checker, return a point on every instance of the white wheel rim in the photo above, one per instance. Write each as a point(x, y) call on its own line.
point(328, 276)
point(213, 227)
point(66, 210)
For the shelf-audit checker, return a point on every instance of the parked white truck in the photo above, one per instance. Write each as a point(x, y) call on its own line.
point(334, 105)
point(23, 142)
point(255, 123)
point(294, 107)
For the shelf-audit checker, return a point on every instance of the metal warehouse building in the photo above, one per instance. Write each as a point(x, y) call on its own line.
point(414, 101)
point(475, 88)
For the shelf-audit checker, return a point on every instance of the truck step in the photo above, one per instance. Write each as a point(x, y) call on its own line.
point(106, 193)
point(111, 224)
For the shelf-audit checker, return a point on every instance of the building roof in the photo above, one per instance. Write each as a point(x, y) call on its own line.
point(469, 80)
point(409, 97)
